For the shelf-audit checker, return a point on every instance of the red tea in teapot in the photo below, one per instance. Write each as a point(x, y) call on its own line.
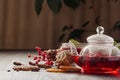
point(98, 65)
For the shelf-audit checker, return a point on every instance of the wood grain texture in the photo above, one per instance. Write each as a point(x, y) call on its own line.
point(7, 58)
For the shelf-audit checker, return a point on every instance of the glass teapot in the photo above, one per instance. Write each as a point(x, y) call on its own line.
point(100, 56)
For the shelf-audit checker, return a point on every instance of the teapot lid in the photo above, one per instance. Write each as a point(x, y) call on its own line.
point(100, 37)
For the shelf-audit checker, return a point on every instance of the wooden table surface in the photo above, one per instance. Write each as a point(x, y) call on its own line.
point(8, 57)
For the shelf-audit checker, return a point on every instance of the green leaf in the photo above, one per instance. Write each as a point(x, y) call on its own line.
point(116, 0)
point(76, 33)
point(65, 28)
point(108, 0)
point(85, 24)
point(83, 1)
point(115, 42)
point(116, 26)
point(55, 5)
point(91, 7)
point(70, 27)
point(61, 37)
point(75, 42)
point(119, 47)
point(73, 3)
point(38, 6)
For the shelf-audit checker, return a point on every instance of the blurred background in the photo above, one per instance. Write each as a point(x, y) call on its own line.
point(22, 28)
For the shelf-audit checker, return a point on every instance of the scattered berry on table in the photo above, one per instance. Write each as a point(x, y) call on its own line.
point(29, 55)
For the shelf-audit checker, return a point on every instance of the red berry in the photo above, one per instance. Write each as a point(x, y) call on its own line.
point(47, 56)
point(51, 63)
point(49, 60)
point(39, 53)
point(47, 63)
point(39, 57)
point(29, 55)
point(38, 48)
point(44, 53)
point(35, 58)
point(43, 58)
point(38, 60)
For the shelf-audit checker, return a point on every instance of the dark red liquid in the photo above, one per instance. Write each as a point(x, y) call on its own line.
point(78, 50)
point(98, 65)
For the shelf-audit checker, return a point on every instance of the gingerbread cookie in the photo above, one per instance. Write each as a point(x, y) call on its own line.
point(26, 68)
point(70, 68)
point(40, 65)
point(63, 69)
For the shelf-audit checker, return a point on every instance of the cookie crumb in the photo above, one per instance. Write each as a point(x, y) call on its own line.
point(8, 70)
